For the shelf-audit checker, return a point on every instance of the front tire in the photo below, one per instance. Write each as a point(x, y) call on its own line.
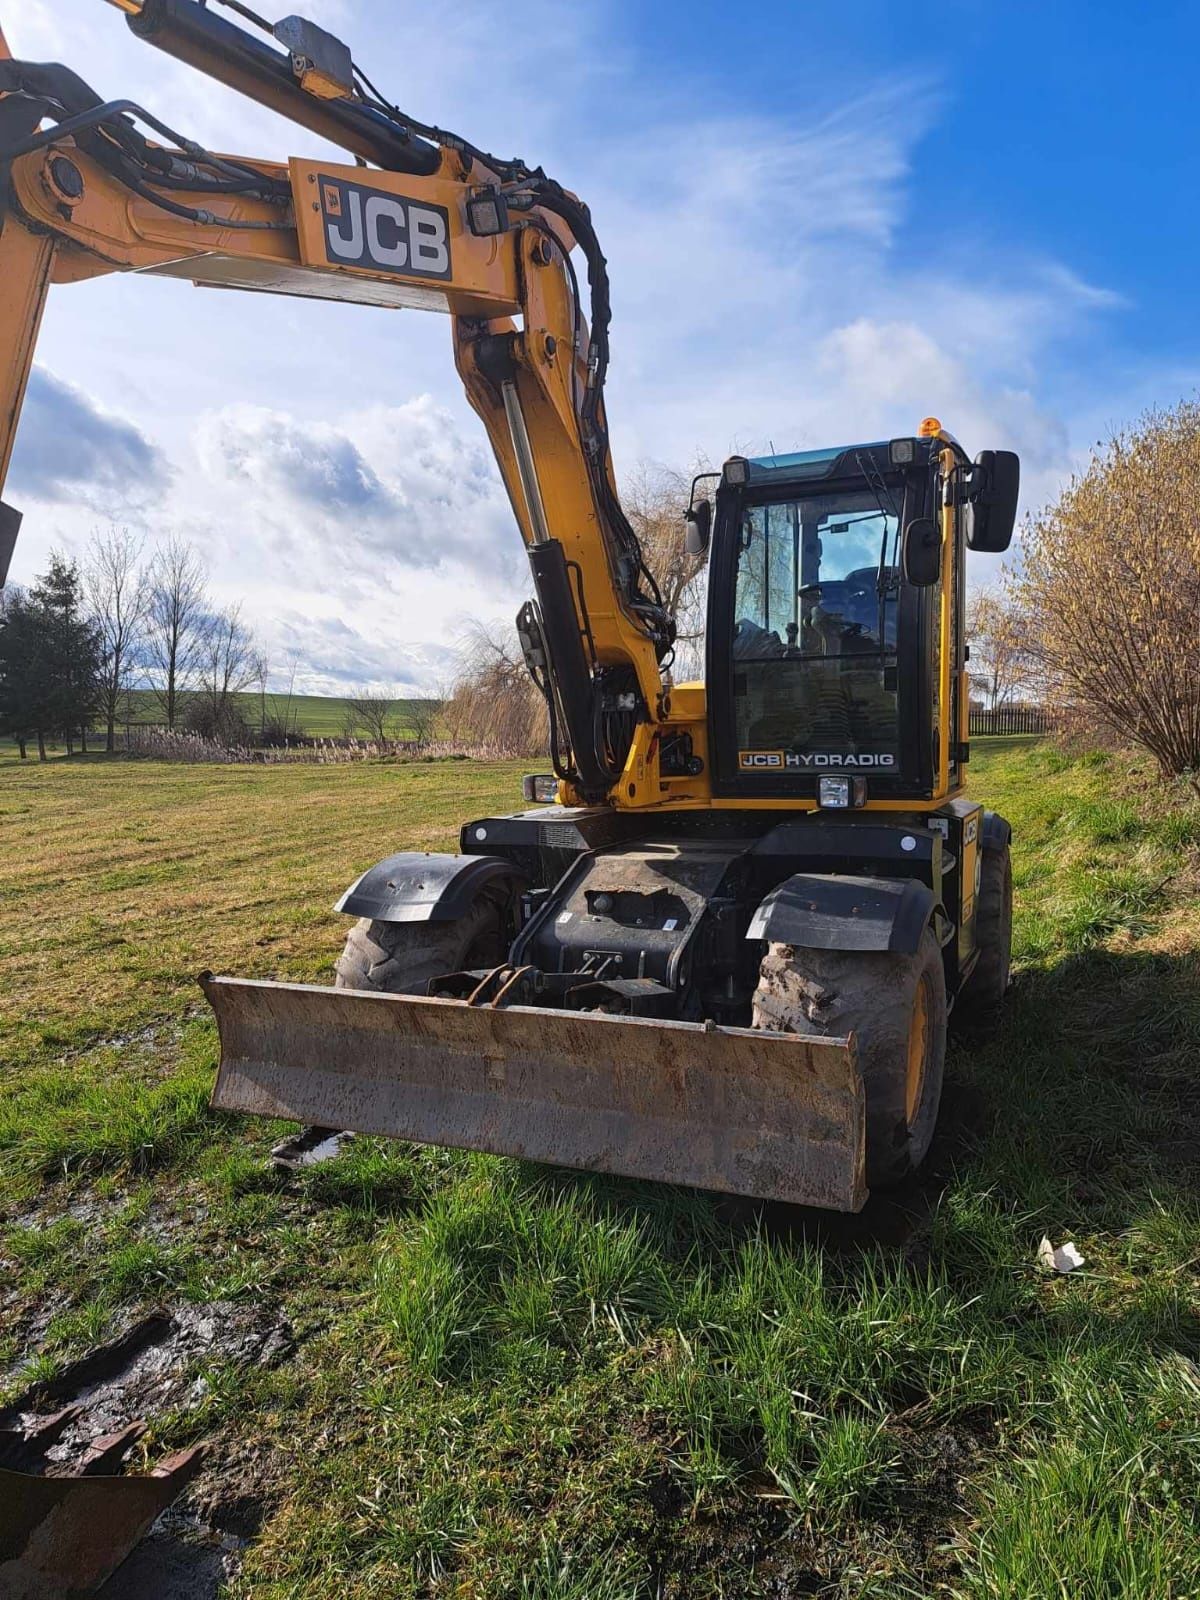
point(982, 996)
point(402, 957)
point(895, 1005)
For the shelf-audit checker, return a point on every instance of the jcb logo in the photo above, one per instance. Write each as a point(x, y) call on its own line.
point(756, 760)
point(368, 228)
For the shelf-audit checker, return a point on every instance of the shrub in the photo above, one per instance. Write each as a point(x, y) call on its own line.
point(218, 722)
point(1110, 586)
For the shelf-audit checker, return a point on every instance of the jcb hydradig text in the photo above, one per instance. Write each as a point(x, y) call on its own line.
point(724, 952)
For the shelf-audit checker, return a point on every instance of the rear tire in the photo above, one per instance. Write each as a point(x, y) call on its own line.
point(895, 1005)
point(402, 957)
point(981, 997)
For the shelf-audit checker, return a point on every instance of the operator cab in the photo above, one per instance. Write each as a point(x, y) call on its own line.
point(836, 585)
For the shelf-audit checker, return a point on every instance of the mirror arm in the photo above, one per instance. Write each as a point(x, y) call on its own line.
point(700, 477)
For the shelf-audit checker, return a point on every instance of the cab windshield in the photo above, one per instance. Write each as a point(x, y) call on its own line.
point(814, 642)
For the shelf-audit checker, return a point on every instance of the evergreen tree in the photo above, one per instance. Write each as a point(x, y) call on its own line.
point(74, 654)
point(21, 637)
point(50, 660)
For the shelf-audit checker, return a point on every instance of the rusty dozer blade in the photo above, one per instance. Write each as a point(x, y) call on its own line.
point(62, 1536)
point(770, 1115)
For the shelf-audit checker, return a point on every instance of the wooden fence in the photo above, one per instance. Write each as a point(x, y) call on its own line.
point(1008, 719)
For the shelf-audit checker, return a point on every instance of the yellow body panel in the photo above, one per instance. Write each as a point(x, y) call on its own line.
point(26, 263)
point(484, 281)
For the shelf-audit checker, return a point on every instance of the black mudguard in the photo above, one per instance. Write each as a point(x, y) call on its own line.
point(422, 886)
point(824, 912)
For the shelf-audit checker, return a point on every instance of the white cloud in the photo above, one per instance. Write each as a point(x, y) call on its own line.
point(334, 657)
point(69, 448)
point(761, 300)
point(391, 490)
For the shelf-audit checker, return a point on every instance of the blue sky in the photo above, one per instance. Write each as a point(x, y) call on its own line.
point(822, 223)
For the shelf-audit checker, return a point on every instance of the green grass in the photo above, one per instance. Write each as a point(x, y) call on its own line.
point(513, 1381)
point(314, 715)
point(317, 715)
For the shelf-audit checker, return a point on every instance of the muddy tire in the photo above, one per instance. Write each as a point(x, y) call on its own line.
point(978, 1006)
point(401, 957)
point(895, 1005)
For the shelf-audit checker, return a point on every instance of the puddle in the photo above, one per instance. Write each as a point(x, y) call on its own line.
point(310, 1148)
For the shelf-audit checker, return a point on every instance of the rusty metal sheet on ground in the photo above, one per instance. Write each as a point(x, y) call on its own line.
point(773, 1116)
point(61, 1537)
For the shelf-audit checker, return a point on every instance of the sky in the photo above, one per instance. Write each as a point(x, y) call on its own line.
point(823, 223)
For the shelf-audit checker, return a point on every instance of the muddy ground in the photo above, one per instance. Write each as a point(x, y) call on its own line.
point(149, 1371)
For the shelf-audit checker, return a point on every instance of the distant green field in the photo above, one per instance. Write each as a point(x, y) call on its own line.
point(316, 715)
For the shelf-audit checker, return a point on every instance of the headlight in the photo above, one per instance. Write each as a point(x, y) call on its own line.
point(540, 788)
point(841, 794)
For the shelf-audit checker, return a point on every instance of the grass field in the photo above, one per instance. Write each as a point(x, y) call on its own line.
point(316, 716)
point(508, 1381)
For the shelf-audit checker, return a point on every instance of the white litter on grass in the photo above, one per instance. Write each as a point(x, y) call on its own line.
point(1058, 1258)
point(309, 1148)
point(332, 1147)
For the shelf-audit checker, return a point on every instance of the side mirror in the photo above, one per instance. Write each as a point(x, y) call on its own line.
point(990, 513)
point(698, 528)
point(921, 556)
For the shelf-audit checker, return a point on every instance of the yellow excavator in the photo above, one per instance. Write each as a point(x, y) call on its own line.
point(720, 942)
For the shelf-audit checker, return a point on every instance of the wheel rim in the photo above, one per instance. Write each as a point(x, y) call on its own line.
point(918, 1049)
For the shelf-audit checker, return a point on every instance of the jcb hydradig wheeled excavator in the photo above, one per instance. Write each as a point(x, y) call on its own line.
point(720, 944)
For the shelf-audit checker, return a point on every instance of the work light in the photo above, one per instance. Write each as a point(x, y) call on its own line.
point(540, 788)
point(902, 452)
point(487, 213)
point(736, 470)
point(841, 794)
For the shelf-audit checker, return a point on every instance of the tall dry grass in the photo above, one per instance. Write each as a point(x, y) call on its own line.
point(493, 703)
point(160, 744)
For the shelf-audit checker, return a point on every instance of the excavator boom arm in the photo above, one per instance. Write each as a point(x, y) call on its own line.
point(436, 226)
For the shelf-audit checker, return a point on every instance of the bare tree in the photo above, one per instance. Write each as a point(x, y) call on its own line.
point(423, 718)
point(1003, 660)
point(228, 661)
point(118, 592)
point(493, 703)
point(655, 500)
point(260, 677)
point(372, 712)
point(289, 719)
point(176, 623)
point(227, 665)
